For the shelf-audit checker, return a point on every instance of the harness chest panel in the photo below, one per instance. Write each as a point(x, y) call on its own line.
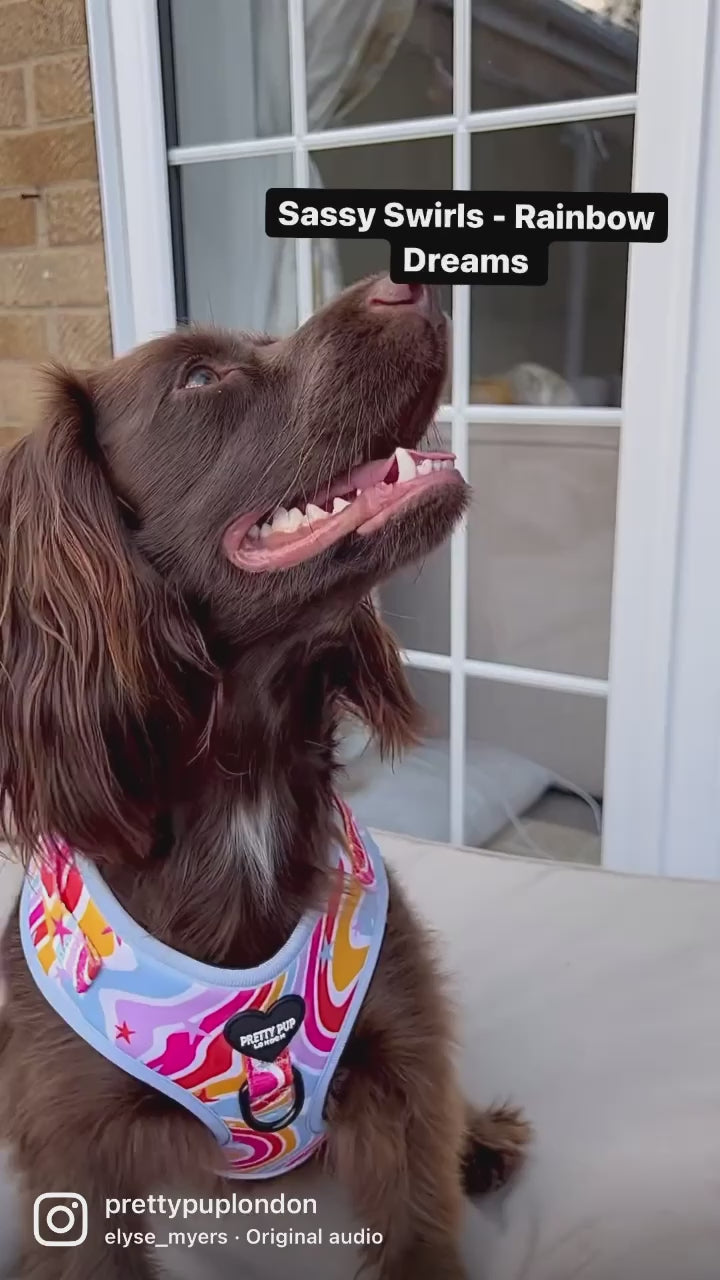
point(250, 1052)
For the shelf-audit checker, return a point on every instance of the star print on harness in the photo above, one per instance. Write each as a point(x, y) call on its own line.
point(251, 1052)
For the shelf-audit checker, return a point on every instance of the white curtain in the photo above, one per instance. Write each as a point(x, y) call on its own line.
point(348, 46)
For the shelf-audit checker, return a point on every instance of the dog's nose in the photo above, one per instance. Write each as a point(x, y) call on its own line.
point(385, 293)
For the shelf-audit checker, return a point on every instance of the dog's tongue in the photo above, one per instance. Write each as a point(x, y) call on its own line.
point(363, 477)
point(386, 469)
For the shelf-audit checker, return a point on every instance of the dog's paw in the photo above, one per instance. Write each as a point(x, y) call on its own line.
point(496, 1143)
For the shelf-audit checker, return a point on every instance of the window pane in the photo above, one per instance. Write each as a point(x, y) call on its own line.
point(376, 60)
point(413, 796)
point(541, 532)
point(228, 62)
point(415, 602)
point(528, 51)
point(563, 343)
point(534, 771)
point(426, 162)
point(423, 163)
point(233, 274)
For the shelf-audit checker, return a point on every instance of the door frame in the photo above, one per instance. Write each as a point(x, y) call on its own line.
point(663, 728)
point(661, 768)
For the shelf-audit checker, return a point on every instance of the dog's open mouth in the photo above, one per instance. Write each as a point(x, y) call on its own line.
point(359, 503)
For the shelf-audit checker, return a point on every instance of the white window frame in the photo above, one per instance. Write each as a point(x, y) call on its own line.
point(663, 697)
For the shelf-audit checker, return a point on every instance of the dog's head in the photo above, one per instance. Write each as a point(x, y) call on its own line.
point(265, 474)
point(208, 493)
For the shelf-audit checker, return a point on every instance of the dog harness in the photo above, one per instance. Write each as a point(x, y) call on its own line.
point(250, 1052)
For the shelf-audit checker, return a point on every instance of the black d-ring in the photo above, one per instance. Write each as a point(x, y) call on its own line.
point(272, 1126)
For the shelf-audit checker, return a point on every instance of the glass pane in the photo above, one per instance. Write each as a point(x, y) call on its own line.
point(413, 796)
point(415, 603)
point(233, 274)
point(527, 51)
point(534, 772)
point(561, 344)
point(423, 163)
point(426, 162)
point(541, 530)
point(377, 60)
point(227, 69)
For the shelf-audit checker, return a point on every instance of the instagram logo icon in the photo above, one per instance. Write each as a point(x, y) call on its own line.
point(60, 1219)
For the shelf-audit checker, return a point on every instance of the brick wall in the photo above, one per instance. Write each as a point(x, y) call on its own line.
point(53, 302)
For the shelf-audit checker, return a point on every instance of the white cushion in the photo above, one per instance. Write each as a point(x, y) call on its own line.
point(593, 999)
point(414, 794)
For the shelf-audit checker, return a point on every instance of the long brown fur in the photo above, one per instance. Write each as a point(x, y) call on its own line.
point(151, 693)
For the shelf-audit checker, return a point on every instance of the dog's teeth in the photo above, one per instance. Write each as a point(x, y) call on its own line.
point(425, 467)
point(295, 519)
point(280, 521)
point(339, 504)
point(358, 492)
point(448, 465)
point(266, 530)
point(437, 465)
point(316, 513)
point(405, 464)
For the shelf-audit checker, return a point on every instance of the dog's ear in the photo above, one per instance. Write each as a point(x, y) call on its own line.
point(372, 684)
point(86, 643)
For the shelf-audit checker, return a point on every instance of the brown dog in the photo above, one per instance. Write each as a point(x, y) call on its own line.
point(171, 686)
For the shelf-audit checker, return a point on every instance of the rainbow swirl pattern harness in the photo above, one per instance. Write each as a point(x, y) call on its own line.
point(251, 1052)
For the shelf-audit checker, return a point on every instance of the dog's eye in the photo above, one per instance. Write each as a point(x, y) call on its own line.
point(200, 376)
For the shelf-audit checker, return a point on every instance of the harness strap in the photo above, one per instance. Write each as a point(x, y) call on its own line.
point(57, 923)
point(273, 1095)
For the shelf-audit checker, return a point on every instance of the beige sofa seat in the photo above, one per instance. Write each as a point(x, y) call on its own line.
point(593, 999)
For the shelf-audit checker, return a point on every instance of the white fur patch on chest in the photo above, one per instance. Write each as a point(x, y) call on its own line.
point(254, 841)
